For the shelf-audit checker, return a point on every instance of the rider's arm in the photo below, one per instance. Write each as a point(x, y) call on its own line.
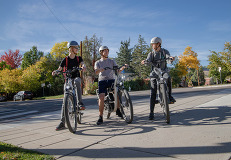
point(83, 66)
point(98, 70)
point(148, 59)
point(55, 71)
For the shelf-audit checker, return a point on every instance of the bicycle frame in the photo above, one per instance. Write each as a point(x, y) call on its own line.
point(161, 81)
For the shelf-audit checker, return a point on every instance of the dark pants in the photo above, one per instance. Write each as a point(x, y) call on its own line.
point(153, 82)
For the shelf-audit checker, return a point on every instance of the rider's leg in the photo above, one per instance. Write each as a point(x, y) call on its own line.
point(101, 108)
point(79, 92)
point(62, 123)
point(101, 103)
point(169, 83)
point(152, 97)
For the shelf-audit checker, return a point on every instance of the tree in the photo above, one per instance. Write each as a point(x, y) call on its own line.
point(176, 73)
point(220, 59)
point(140, 53)
point(188, 61)
point(124, 56)
point(11, 80)
point(59, 51)
point(31, 78)
point(13, 58)
point(3, 65)
point(31, 57)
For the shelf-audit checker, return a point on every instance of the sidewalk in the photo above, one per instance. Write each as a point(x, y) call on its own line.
point(200, 129)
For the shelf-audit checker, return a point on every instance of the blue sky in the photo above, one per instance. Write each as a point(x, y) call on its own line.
point(201, 24)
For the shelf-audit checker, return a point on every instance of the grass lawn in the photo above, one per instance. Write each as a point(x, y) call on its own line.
point(49, 97)
point(11, 152)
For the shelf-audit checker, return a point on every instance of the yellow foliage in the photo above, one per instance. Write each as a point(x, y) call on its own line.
point(11, 80)
point(31, 77)
point(188, 60)
point(59, 50)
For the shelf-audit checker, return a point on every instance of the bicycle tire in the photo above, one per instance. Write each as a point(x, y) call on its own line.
point(79, 115)
point(70, 113)
point(165, 103)
point(126, 106)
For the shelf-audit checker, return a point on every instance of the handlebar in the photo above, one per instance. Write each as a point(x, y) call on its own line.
point(114, 67)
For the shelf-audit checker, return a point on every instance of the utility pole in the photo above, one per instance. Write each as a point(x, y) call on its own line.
point(81, 73)
point(220, 73)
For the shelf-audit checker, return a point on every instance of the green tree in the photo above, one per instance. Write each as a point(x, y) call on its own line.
point(124, 56)
point(140, 53)
point(4, 65)
point(220, 59)
point(31, 57)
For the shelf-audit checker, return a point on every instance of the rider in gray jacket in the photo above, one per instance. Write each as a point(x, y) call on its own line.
point(158, 53)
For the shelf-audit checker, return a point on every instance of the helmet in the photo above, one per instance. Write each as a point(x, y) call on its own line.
point(103, 48)
point(72, 43)
point(156, 40)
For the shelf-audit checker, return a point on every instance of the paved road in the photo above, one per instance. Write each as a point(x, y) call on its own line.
point(200, 128)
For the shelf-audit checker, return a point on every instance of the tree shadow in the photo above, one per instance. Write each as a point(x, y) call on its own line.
point(212, 115)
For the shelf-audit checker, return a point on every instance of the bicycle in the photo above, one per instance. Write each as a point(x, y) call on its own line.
point(72, 112)
point(162, 89)
point(111, 101)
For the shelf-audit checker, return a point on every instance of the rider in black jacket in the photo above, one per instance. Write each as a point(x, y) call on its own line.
point(158, 53)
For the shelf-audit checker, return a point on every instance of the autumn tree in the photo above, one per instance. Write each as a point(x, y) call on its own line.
point(188, 61)
point(31, 57)
point(11, 80)
point(31, 78)
point(59, 51)
point(12, 58)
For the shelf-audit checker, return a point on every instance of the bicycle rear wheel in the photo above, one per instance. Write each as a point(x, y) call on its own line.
point(165, 103)
point(70, 112)
point(126, 106)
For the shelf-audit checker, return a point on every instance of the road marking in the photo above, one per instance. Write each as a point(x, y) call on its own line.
point(17, 114)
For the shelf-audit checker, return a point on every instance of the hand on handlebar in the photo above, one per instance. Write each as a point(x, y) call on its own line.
point(55, 72)
point(143, 62)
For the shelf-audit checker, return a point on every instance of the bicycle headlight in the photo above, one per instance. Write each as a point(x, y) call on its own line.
point(123, 77)
point(68, 87)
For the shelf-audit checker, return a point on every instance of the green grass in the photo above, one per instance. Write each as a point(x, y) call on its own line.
point(49, 97)
point(11, 152)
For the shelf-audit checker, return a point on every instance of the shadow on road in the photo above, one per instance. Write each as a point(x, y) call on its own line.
point(213, 115)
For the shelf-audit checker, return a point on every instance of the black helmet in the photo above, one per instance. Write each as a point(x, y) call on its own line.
point(72, 43)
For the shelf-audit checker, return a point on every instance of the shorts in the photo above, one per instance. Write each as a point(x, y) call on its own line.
point(104, 84)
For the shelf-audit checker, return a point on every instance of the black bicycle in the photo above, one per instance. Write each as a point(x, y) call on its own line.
point(72, 112)
point(118, 92)
point(162, 88)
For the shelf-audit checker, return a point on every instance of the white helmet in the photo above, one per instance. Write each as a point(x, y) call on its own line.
point(103, 48)
point(156, 40)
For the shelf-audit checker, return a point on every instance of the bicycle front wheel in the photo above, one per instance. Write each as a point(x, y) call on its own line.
point(165, 103)
point(126, 105)
point(70, 113)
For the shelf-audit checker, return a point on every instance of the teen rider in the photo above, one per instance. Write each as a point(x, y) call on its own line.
point(158, 53)
point(106, 79)
point(68, 63)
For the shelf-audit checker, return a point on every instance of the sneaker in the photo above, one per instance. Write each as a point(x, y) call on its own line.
point(151, 116)
point(100, 120)
point(118, 113)
point(61, 126)
point(172, 100)
point(81, 106)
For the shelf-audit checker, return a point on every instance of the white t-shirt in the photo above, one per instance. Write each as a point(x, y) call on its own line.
point(107, 74)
